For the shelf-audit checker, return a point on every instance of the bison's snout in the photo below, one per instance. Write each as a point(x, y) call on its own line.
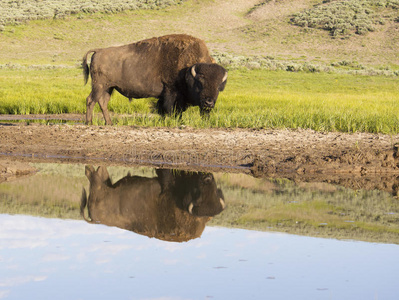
point(208, 178)
point(208, 104)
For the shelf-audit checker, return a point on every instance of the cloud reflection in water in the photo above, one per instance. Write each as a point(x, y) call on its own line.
point(64, 259)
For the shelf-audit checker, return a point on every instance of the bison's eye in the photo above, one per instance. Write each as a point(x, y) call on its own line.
point(199, 85)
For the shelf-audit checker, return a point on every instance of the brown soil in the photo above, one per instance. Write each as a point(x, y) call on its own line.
point(10, 170)
point(358, 160)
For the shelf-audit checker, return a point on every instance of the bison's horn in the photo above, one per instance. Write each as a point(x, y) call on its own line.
point(225, 77)
point(222, 203)
point(193, 71)
point(190, 208)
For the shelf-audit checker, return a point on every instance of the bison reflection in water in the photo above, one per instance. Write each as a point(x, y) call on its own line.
point(173, 206)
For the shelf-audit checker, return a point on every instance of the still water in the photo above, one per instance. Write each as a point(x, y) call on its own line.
point(56, 254)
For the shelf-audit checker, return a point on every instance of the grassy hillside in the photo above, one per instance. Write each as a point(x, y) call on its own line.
point(279, 30)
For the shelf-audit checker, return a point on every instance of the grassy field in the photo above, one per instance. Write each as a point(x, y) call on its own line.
point(252, 99)
point(337, 82)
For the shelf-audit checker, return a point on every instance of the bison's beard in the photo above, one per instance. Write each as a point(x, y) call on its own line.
point(205, 111)
point(207, 108)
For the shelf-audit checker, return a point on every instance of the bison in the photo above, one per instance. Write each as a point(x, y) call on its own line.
point(176, 69)
point(174, 206)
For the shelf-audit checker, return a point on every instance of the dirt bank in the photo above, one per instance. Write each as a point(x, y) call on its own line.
point(302, 155)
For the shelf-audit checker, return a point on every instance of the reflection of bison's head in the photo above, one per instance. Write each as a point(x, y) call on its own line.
point(198, 193)
point(174, 206)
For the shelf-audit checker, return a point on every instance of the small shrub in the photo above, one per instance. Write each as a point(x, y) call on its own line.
point(19, 11)
point(294, 67)
point(344, 17)
point(232, 62)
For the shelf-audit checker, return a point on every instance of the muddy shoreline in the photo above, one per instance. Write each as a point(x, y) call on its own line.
point(358, 160)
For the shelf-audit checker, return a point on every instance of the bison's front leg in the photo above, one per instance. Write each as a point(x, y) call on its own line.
point(167, 102)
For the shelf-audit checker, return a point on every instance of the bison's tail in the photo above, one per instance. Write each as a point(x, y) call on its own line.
point(83, 203)
point(86, 66)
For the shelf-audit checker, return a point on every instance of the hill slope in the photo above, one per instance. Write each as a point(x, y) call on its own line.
point(238, 28)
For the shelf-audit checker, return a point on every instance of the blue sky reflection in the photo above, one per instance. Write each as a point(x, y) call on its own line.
point(64, 259)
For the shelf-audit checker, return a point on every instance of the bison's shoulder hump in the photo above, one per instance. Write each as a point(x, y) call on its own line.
point(183, 41)
point(176, 41)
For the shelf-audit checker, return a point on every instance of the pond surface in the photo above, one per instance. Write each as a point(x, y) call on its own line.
point(65, 259)
point(48, 251)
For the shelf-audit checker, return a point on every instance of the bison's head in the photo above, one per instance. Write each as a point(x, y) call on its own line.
point(204, 82)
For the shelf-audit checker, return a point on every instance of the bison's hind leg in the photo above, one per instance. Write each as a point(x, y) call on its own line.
point(102, 97)
point(89, 108)
point(103, 101)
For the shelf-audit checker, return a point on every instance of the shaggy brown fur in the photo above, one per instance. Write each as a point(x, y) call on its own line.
point(176, 69)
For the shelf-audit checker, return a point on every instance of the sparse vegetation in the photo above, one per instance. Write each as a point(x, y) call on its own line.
point(344, 17)
point(256, 6)
point(19, 11)
point(271, 64)
point(237, 37)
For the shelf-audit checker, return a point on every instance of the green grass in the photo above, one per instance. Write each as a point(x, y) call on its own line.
point(42, 91)
point(252, 99)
